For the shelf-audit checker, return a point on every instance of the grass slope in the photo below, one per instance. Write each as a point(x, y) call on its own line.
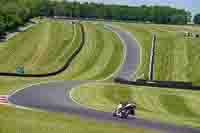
point(99, 58)
point(23, 121)
point(46, 55)
point(41, 49)
point(104, 64)
point(172, 106)
point(176, 57)
point(101, 55)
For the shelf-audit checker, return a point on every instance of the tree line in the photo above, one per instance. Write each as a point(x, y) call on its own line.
point(155, 14)
point(197, 19)
point(16, 12)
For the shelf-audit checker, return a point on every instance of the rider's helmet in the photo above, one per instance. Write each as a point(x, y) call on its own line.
point(124, 103)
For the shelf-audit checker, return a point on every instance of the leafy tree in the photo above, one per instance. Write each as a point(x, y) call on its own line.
point(2, 24)
point(197, 19)
point(16, 12)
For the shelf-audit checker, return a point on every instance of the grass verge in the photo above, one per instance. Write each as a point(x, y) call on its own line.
point(168, 105)
point(101, 55)
point(99, 58)
point(41, 49)
point(23, 121)
point(176, 57)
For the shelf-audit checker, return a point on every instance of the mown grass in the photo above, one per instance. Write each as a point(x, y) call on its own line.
point(176, 57)
point(37, 53)
point(22, 121)
point(41, 49)
point(167, 105)
point(105, 54)
point(101, 55)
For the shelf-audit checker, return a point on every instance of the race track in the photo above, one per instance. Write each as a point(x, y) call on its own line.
point(132, 54)
point(55, 96)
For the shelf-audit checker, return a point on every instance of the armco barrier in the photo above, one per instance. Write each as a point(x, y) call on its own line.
point(152, 58)
point(161, 84)
point(60, 70)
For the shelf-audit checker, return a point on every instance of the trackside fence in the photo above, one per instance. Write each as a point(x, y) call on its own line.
point(161, 84)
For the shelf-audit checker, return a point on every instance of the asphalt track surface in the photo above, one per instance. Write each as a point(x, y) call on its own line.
point(55, 96)
point(132, 54)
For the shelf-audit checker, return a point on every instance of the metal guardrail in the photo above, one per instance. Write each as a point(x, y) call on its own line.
point(160, 84)
point(152, 58)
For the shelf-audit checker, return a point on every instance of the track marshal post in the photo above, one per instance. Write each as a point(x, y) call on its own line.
point(20, 69)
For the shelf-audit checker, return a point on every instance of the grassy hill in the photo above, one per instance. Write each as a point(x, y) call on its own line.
point(176, 56)
point(99, 58)
point(41, 49)
point(167, 105)
point(101, 55)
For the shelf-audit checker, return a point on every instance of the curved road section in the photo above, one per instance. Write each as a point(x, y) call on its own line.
point(131, 51)
point(55, 97)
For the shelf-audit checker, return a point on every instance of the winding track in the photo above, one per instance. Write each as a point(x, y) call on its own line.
point(52, 96)
point(132, 55)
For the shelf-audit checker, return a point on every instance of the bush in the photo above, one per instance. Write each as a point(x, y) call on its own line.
point(197, 19)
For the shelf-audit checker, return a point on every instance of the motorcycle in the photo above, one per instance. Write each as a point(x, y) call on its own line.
point(123, 111)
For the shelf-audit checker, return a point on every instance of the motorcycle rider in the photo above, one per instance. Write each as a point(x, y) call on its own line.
point(124, 106)
point(121, 106)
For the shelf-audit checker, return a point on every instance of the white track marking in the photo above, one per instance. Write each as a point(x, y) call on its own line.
point(72, 89)
point(124, 58)
point(124, 53)
point(138, 43)
point(3, 99)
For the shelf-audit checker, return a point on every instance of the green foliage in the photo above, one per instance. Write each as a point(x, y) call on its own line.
point(156, 14)
point(2, 24)
point(197, 19)
point(17, 12)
